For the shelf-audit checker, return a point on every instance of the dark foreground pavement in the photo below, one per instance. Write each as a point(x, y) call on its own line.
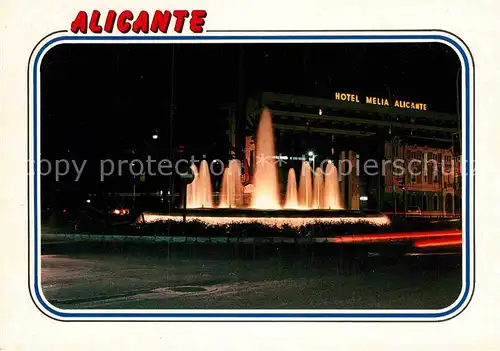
point(83, 275)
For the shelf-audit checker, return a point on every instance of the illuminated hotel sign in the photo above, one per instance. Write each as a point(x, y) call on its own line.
point(381, 101)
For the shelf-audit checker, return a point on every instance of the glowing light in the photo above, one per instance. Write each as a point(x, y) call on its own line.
point(430, 253)
point(199, 191)
point(271, 221)
point(88, 201)
point(318, 189)
point(266, 194)
point(320, 192)
point(155, 136)
point(331, 191)
point(440, 242)
point(395, 236)
point(280, 157)
point(363, 198)
point(305, 186)
point(231, 193)
point(122, 211)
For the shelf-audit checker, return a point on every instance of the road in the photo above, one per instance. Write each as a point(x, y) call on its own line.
point(89, 276)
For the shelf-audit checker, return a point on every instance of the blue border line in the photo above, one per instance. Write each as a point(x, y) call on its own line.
point(257, 315)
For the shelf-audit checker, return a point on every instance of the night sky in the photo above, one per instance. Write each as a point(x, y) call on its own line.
point(98, 100)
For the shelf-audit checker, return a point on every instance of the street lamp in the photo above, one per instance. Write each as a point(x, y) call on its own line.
point(155, 136)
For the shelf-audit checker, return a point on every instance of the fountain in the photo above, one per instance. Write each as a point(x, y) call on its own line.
point(318, 195)
point(305, 186)
point(316, 198)
point(199, 192)
point(331, 188)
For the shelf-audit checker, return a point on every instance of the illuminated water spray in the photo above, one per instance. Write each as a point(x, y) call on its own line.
point(292, 201)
